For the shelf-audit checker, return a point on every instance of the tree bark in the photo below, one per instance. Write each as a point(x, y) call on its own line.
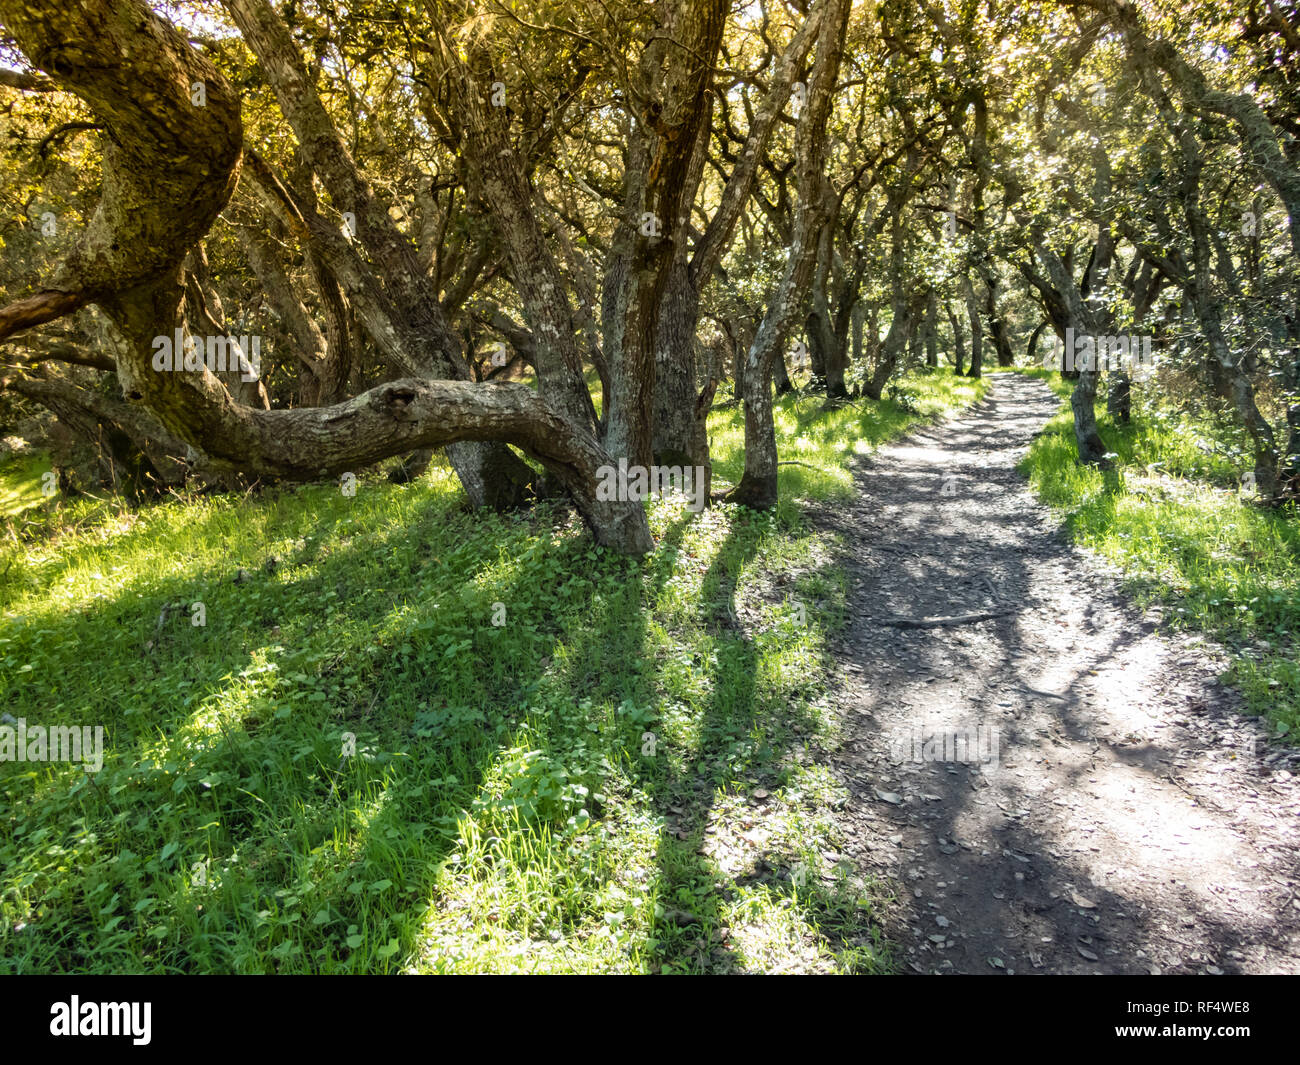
point(758, 483)
point(490, 474)
point(904, 308)
point(673, 77)
point(976, 329)
point(680, 419)
point(136, 72)
point(681, 435)
point(135, 451)
point(930, 334)
point(958, 341)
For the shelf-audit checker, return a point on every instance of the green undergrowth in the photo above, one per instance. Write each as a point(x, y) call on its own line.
point(1173, 515)
point(818, 445)
point(21, 483)
point(378, 733)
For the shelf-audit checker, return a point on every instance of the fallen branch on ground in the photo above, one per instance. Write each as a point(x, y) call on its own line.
point(956, 619)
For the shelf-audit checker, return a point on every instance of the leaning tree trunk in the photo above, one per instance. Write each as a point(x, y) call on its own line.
point(1227, 366)
point(915, 344)
point(169, 169)
point(1032, 346)
point(135, 454)
point(894, 343)
point(1261, 435)
point(491, 475)
point(904, 314)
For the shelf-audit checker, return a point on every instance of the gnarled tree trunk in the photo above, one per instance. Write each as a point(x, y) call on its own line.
point(169, 168)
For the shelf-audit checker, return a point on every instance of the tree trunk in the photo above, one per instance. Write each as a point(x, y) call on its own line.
point(673, 83)
point(1119, 396)
point(997, 324)
point(681, 435)
point(930, 331)
point(822, 341)
point(958, 341)
point(680, 414)
point(892, 347)
point(905, 310)
point(976, 329)
point(781, 376)
point(414, 316)
point(838, 365)
point(1031, 348)
point(757, 488)
point(758, 484)
point(169, 168)
point(1289, 482)
point(739, 354)
point(1082, 401)
point(135, 453)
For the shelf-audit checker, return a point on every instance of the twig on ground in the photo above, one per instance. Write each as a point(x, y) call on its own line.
point(1039, 691)
point(956, 619)
point(796, 462)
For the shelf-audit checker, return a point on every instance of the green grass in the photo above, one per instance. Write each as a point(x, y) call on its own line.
point(20, 483)
point(825, 442)
point(1172, 516)
point(622, 776)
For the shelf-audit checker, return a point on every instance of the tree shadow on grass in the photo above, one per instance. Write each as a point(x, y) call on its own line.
point(318, 863)
point(744, 734)
point(210, 765)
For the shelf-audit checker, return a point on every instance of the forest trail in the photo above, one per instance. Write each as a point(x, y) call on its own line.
point(1130, 822)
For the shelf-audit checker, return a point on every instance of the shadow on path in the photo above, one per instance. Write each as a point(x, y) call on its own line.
point(1108, 812)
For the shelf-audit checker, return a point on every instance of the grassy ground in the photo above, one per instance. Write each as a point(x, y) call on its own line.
point(1173, 516)
point(565, 761)
point(21, 483)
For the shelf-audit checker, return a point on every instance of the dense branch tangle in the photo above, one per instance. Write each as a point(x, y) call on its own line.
point(651, 195)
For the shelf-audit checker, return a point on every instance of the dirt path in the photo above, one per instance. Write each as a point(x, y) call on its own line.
point(1126, 824)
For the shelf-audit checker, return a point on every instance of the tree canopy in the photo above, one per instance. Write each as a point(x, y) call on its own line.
point(542, 236)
